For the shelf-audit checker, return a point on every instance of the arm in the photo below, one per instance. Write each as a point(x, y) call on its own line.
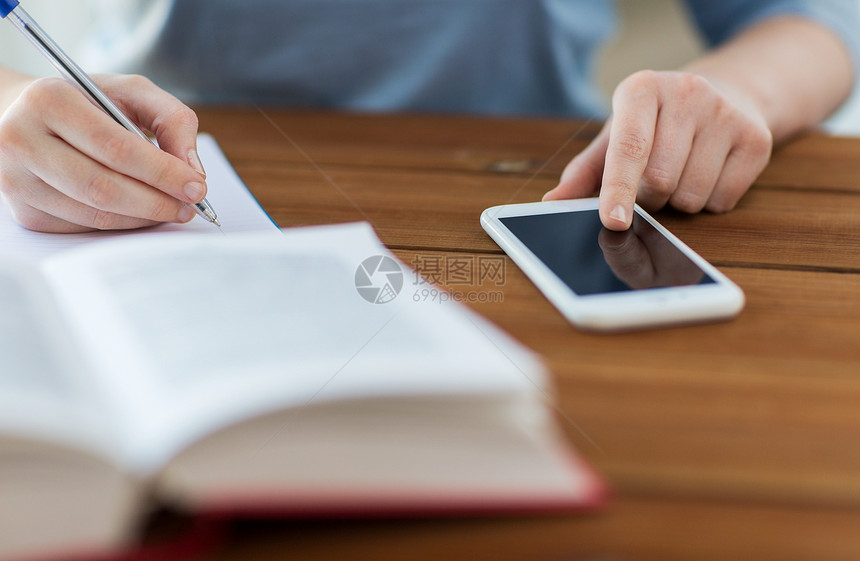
point(66, 166)
point(698, 138)
point(795, 71)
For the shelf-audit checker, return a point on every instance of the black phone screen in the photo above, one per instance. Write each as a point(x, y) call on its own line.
point(591, 259)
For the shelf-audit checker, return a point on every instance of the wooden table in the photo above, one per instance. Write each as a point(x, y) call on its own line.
point(731, 441)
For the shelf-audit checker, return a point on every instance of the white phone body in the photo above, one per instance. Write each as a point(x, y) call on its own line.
point(624, 307)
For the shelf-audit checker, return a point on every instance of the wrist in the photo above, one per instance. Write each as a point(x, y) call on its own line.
point(753, 104)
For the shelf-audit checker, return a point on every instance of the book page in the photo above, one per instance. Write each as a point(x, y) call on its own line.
point(33, 376)
point(44, 393)
point(190, 334)
point(387, 455)
point(237, 211)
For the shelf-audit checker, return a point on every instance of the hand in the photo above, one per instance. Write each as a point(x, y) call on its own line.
point(66, 166)
point(642, 258)
point(674, 138)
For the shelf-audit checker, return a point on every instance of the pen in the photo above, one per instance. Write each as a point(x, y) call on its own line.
point(77, 77)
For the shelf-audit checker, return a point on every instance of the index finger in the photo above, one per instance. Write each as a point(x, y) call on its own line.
point(631, 138)
point(92, 132)
point(172, 122)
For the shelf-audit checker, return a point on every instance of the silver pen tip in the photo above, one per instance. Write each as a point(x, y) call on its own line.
point(205, 210)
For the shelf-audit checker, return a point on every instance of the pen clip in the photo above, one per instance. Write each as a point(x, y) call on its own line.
point(7, 6)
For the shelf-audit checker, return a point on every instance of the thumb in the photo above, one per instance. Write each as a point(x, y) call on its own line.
point(583, 175)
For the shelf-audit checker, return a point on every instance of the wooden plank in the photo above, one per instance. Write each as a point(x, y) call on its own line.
point(815, 162)
point(518, 147)
point(426, 142)
point(641, 528)
point(440, 210)
point(763, 408)
point(782, 228)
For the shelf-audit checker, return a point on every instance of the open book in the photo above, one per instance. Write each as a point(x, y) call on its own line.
point(249, 374)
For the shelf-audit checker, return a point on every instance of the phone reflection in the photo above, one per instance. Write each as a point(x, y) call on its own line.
point(642, 258)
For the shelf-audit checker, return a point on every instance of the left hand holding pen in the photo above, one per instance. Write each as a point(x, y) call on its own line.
point(674, 138)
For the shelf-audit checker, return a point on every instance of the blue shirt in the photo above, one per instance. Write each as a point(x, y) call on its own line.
point(478, 56)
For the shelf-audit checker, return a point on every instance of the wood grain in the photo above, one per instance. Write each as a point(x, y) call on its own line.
point(686, 410)
point(440, 210)
point(735, 440)
point(630, 529)
point(423, 142)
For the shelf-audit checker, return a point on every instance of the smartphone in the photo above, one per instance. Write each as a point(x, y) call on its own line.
point(604, 280)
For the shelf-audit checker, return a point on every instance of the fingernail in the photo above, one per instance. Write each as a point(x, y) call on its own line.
point(619, 213)
point(195, 192)
point(194, 161)
point(548, 193)
point(186, 214)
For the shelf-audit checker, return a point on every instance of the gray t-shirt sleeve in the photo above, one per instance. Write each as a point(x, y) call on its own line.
point(721, 20)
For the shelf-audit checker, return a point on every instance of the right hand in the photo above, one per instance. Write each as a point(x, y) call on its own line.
point(67, 166)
